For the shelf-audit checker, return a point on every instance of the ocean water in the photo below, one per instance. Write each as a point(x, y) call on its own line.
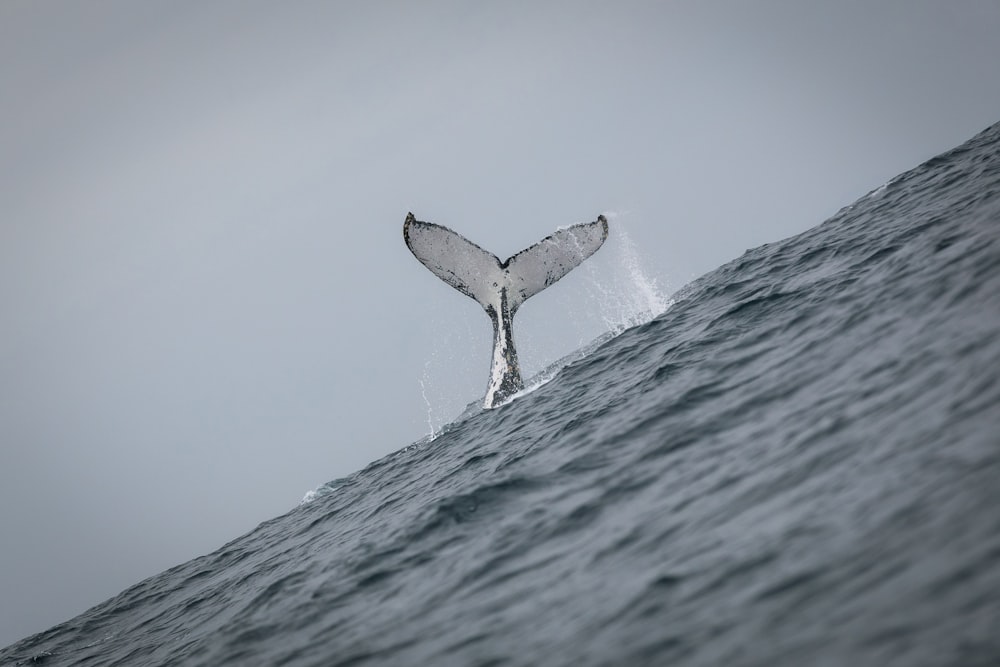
point(798, 463)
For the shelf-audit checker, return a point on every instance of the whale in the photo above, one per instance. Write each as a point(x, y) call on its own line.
point(502, 287)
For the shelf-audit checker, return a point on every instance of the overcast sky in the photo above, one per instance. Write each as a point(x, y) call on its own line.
point(207, 306)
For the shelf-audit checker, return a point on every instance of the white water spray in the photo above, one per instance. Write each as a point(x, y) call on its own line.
point(424, 381)
point(627, 295)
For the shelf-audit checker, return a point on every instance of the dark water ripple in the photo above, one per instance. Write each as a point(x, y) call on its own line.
point(798, 463)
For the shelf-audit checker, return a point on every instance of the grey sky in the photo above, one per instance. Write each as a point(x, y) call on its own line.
point(207, 305)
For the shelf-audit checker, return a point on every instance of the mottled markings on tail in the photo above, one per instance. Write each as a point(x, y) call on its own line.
point(501, 287)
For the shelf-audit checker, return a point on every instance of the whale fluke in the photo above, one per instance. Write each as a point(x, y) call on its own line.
point(501, 287)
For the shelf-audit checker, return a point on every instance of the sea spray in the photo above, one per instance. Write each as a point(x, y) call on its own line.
point(625, 292)
point(424, 381)
point(452, 376)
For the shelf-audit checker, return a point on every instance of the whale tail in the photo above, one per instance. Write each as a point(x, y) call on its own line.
point(501, 287)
